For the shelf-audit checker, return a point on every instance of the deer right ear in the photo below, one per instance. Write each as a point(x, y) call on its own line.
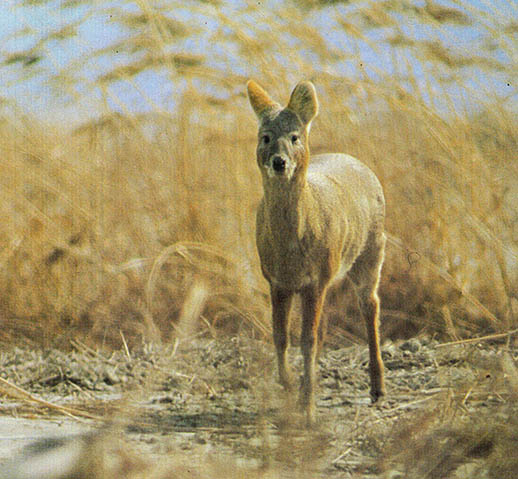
point(259, 99)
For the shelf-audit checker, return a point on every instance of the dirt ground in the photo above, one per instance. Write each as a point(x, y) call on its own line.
point(219, 400)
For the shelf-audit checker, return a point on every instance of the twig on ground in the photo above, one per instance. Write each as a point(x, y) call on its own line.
point(74, 413)
point(482, 338)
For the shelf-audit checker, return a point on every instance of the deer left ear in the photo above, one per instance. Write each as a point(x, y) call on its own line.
point(303, 102)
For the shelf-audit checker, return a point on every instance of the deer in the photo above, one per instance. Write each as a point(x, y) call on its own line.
point(320, 223)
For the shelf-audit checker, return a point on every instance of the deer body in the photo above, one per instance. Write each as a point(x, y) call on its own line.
point(295, 228)
point(317, 223)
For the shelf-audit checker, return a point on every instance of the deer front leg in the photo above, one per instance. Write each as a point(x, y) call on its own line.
point(281, 306)
point(312, 303)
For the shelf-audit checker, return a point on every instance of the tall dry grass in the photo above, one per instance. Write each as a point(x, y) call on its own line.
point(119, 228)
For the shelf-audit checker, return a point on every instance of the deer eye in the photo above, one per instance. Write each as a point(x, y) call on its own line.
point(265, 139)
point(294, 138)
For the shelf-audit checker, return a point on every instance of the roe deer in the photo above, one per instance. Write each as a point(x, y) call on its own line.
point(316, 223)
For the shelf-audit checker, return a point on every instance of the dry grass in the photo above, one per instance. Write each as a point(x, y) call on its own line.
point(116, 230)
point(454, 439)
point(140, 227)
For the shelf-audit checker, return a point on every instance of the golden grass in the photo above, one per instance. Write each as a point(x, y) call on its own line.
point(453, 439)
point(113, 227)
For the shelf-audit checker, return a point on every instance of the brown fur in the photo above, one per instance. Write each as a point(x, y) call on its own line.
point(316, 223)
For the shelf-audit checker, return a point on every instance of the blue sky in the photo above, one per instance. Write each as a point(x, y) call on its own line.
point(151, 90)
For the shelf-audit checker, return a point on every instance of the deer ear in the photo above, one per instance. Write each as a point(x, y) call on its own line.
point(259, 99)
point(303, 101)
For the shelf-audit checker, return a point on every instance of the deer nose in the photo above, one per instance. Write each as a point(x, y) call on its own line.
point(278, 163)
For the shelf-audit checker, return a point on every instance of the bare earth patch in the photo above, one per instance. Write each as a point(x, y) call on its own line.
point(218, 401)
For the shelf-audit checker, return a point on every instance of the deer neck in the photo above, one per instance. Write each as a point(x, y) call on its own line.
point(286, 206)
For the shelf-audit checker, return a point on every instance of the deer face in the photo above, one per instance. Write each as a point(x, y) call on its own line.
point(282, 150)
point(282, 147)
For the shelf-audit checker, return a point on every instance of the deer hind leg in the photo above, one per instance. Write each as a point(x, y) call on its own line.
point(312, 303)
point(281, 306)
point(322, 332)
point(370, 307)
point(366, 275)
